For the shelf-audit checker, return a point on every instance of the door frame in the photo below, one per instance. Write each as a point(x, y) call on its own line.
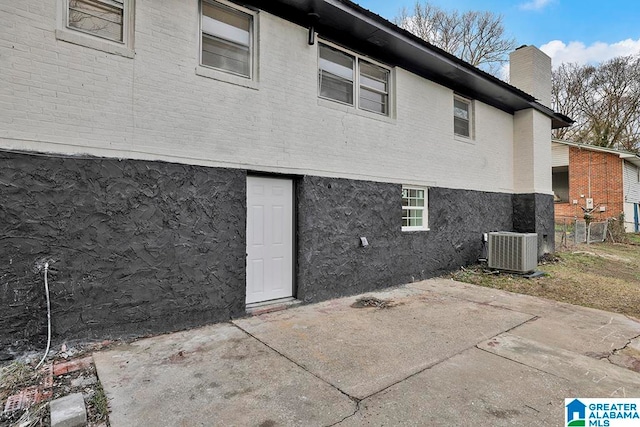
point(294, 232)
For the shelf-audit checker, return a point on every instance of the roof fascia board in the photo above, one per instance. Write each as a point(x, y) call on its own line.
point(622, 154)
point(410, 40)
point(457, 63)
point(429, 49)
point(449, 71)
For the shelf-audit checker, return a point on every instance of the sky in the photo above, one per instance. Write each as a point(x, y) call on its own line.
point(581, 31)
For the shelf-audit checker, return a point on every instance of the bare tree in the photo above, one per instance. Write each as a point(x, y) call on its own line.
point(567, 85)
point(476, 37)
point(603, 99)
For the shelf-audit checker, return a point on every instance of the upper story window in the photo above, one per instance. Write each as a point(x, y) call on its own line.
point(347, 78)
point(414, 208)
point(462, 117)
point(101, 18)
point(374, 88)
point(336, 75)
point(105, 25)
point(226, 39)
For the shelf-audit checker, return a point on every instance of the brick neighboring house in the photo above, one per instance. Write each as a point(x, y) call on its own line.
point(604, 180)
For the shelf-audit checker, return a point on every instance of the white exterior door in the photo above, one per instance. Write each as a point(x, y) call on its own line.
point(269, 239)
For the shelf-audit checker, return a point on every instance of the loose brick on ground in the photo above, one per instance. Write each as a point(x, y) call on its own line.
point(71, 366)
point(26, 398)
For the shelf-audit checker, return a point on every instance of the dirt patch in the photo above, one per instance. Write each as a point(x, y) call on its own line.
point(605, 276)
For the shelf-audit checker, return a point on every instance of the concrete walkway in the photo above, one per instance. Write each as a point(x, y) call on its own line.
point(444, 353)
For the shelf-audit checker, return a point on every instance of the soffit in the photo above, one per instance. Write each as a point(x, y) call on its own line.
point(347, 24)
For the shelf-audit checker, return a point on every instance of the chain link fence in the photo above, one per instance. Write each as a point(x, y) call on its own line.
point(572, 231)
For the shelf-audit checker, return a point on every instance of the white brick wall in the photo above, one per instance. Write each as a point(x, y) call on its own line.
point(61, 97)
point(530, 70)
point(532, 158)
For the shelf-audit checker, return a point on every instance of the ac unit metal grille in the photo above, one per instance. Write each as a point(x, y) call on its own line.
point(513, 251)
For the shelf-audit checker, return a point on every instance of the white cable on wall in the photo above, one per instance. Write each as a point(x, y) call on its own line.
point(46, 290)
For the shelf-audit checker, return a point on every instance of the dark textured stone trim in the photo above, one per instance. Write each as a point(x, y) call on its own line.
point(135, 247)
point(533, 213)
point(334, 213)
point(140, 247)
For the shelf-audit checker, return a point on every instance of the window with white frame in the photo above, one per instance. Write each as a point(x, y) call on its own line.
point(226, 38)
point(105, 25)
point(342, 74)
point(414, 208)
point(100, 18)
point(462, 117)
point(374, 88)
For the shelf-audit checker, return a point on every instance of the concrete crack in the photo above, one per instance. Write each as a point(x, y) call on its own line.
point(348, 416)
point(358, 401)
point(621, 349)
point(304, 368)
point(520, 363)
point(355, 399)
point(533, 319)
point(444, 360)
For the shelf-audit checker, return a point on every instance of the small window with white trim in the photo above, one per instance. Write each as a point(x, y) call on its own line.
point(346, 78)
point(414, 208)
point(101, 18)
point(105, 25)
point(462, 117)
point(226, 41)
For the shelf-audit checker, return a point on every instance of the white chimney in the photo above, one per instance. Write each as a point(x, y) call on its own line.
point(530, 71)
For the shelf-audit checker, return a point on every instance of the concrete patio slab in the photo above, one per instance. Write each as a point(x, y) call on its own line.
point(584, 330)
point(471, 388)
point(593, 333)
point(592, 377)
point(216, 375)
point(442, 353)
point(363, 350)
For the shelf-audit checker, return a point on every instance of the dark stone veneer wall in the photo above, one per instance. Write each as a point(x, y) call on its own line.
point(533, 213)
point(134, 247)
point(334, 213)
point(139, 247)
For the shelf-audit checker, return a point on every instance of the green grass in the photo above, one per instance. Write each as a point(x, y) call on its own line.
point(569, 227)
point(100, 403)
point(634, 238)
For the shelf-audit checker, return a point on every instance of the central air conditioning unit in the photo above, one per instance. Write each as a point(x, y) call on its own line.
point(513, 251)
